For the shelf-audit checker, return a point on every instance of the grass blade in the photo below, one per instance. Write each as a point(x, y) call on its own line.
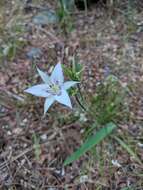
point(128, 149)
point(90, 142)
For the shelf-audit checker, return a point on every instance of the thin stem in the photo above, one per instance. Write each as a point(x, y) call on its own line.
point(79, 89)
point(78, 101)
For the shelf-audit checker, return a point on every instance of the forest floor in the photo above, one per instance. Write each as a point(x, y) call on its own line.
point(32, 147)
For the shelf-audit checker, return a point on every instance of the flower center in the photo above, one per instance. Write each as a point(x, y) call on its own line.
point(54, 89)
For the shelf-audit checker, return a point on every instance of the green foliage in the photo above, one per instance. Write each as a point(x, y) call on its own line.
point(75, 71)
point(64, 8)
point(10, 48)
point(108, 104)
point(90, 142)
point(36, 146)
point(130, 16)
point(128, 149)
point(67, 5)
point(11, 32)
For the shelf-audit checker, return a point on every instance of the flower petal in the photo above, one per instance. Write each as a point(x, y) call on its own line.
point(38, 90)
point(64, 98)
point(43, 75)
point(48, 102)
point(57, 74)
point(69, 84)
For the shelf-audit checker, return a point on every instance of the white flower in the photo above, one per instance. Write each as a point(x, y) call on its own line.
point(116, 163)
point(53, 89)
point(84, 178)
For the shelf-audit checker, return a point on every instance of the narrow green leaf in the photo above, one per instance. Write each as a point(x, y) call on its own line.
point(68, 5)
point(128, 149)
point(90, 142)
point(36, 146)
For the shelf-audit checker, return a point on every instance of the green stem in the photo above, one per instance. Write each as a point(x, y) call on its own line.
point(78, 101)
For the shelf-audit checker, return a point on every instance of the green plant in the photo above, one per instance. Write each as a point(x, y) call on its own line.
point(130, 16)
point(108, 104)
point(74, 72)
point(90, 142)
point(10, 48)
point(11, 32)
point(36, 146)
point(107, 108)
point(128, 149)
point(64, 8)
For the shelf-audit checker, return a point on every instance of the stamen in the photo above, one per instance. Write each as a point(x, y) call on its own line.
point(54, 89)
